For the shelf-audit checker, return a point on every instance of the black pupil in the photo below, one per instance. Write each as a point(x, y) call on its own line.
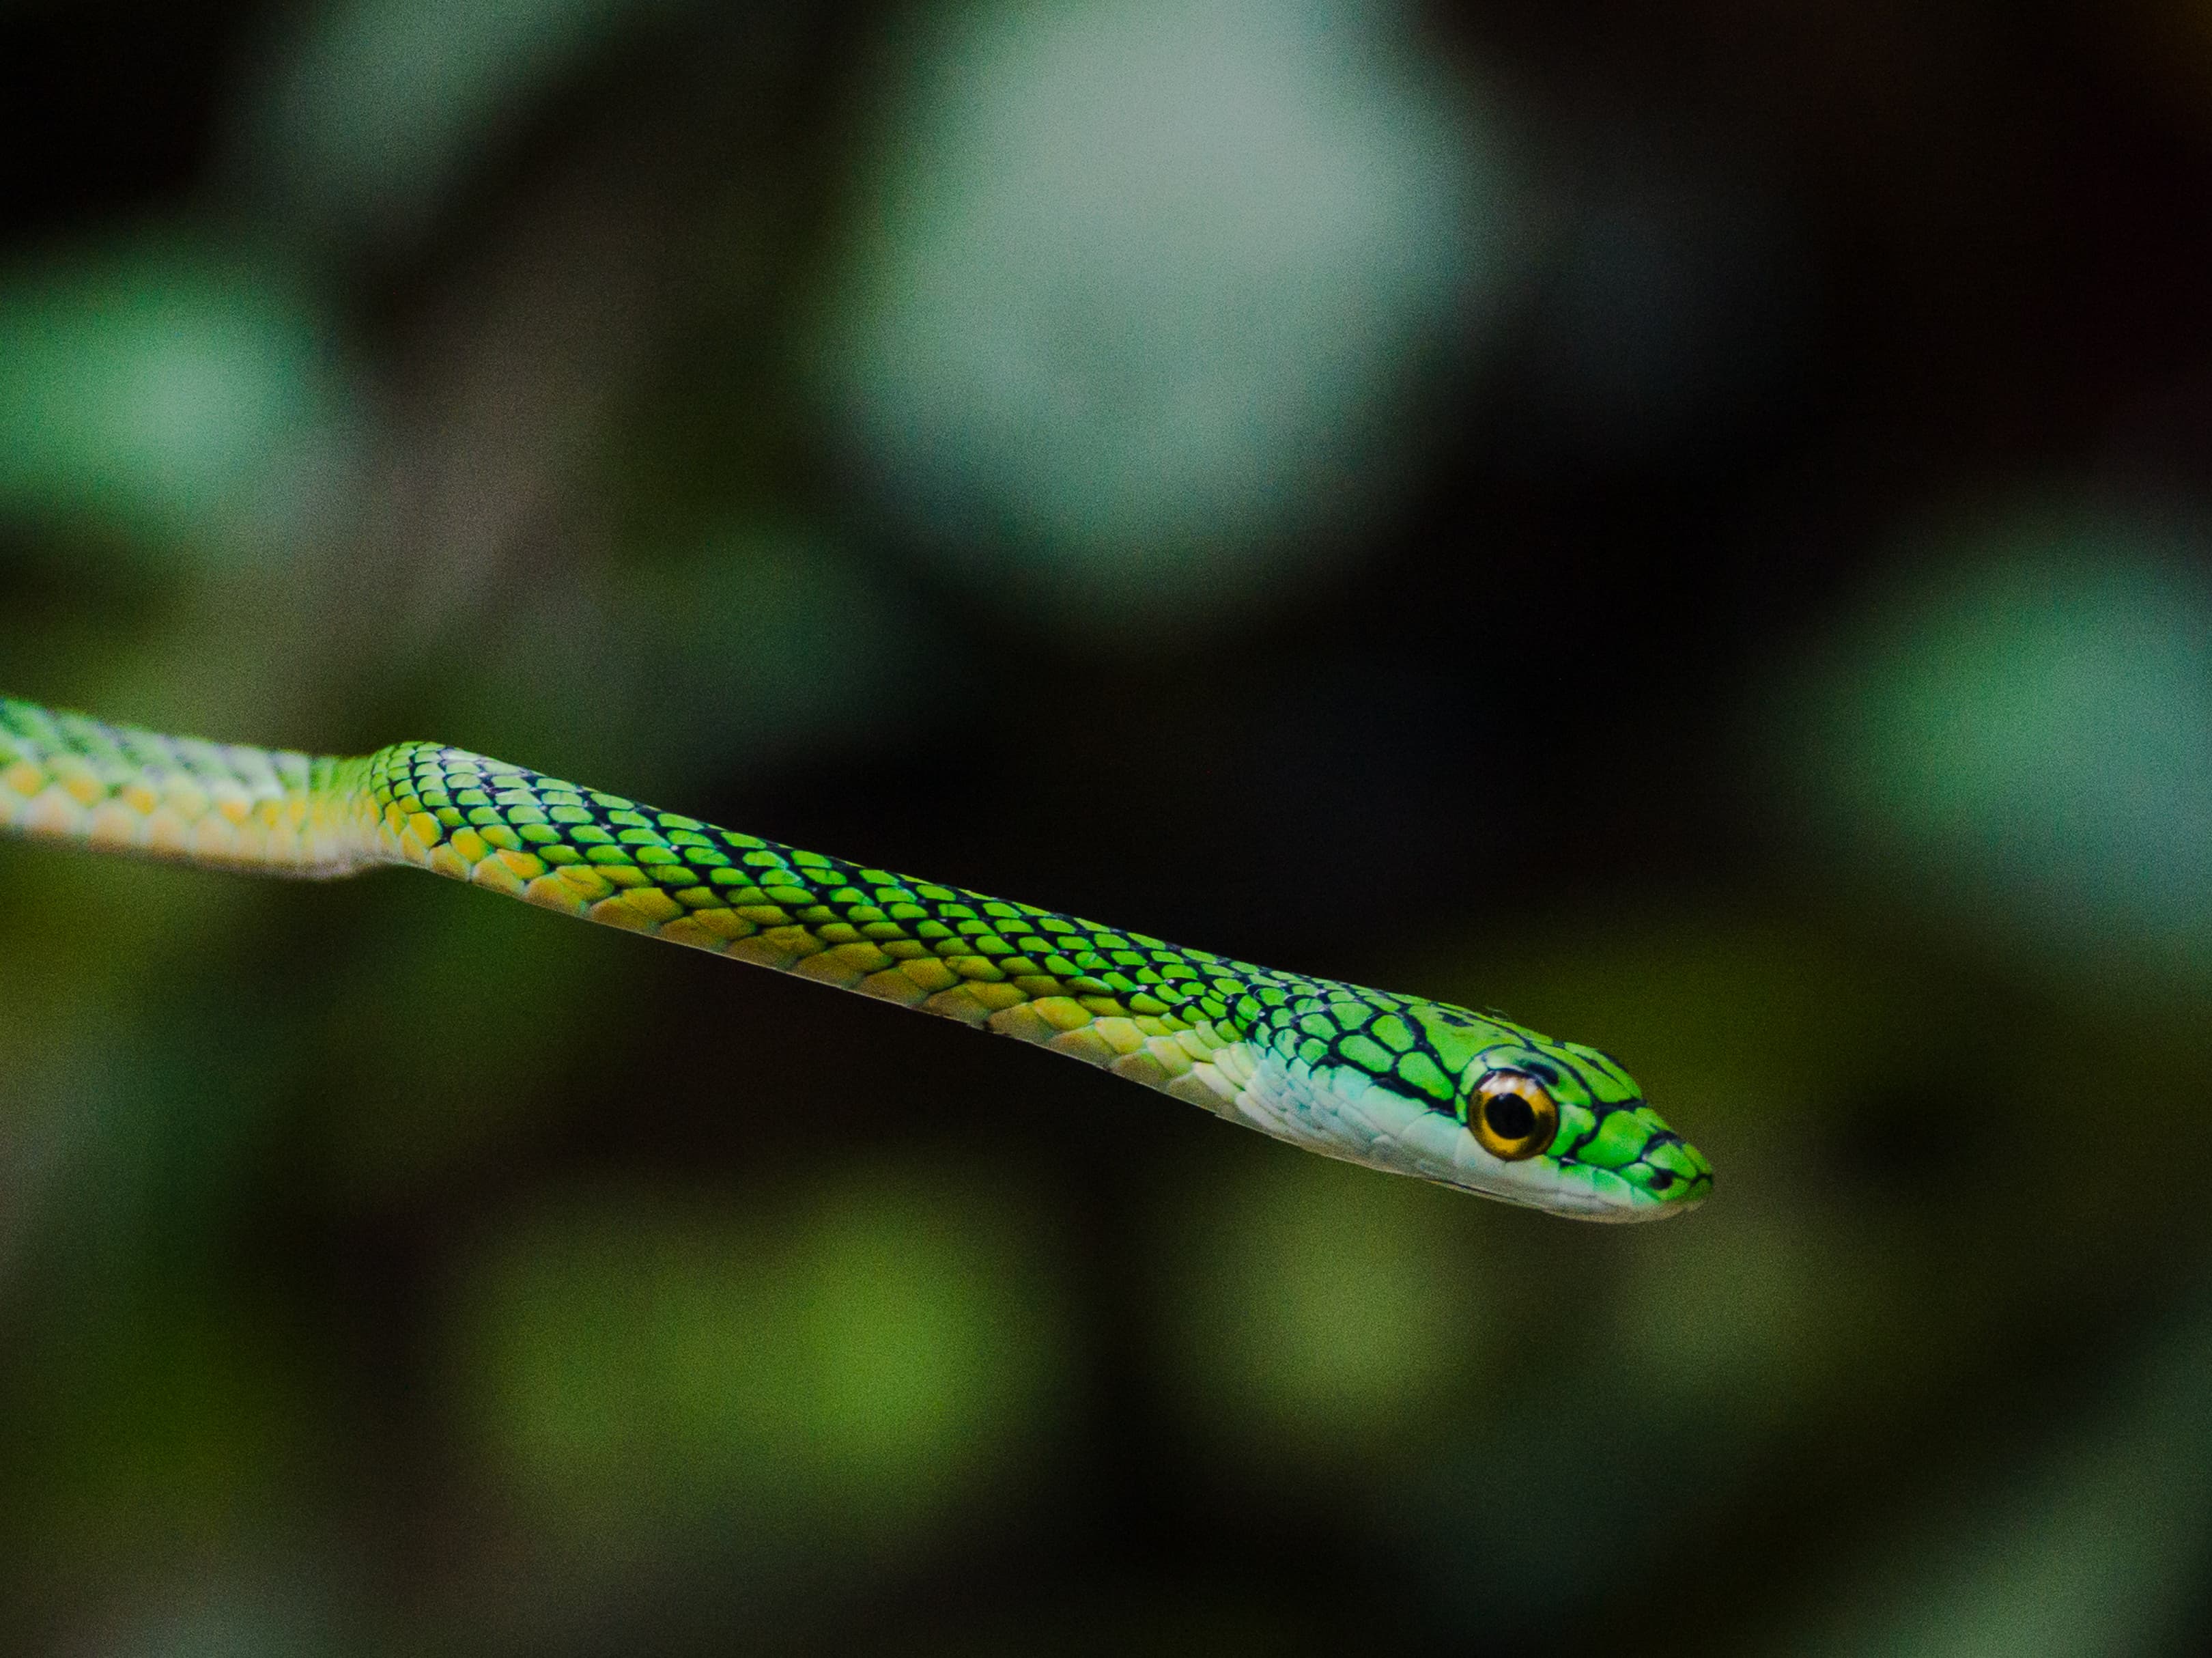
point(1510, 1117)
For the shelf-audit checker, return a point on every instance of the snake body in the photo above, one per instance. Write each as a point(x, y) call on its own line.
point(1397, 1082)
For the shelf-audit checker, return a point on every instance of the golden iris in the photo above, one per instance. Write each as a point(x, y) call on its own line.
point(1513, 1116)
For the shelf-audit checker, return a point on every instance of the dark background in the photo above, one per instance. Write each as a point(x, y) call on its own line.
point(1686, 523)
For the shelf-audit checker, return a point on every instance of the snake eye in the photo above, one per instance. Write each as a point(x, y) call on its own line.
point(1512, 1115)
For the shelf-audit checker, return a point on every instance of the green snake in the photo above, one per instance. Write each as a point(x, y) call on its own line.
point(1396, 1082)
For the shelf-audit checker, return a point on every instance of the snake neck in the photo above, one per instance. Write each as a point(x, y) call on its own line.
point(1144, 1008)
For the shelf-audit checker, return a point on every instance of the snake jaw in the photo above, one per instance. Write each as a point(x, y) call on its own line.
point(1343, 1113)
point(1612, 1157)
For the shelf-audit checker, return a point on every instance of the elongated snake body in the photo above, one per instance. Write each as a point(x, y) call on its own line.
point(1397, 1082)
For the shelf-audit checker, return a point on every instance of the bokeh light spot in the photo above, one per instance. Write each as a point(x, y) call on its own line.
point(172, 393)
point(1135, 300)
point(844, 1366)
point(1311, 1314)
point(2023, 721)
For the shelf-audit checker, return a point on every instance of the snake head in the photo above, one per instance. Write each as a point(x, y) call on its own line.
point(1557, 1126)
point(1472, 1100)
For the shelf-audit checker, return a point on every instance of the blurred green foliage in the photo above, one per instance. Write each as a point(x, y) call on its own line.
point(1294, 1295)
point(169, 393)
point(1412, 498)
point(840, 1372)
point(2026, 715)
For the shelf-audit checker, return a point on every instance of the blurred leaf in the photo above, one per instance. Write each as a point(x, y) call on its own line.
point(2022, 724)
point(1142, 285)
point(168, 390)
point(845, 1367)
point(1309, 1317)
